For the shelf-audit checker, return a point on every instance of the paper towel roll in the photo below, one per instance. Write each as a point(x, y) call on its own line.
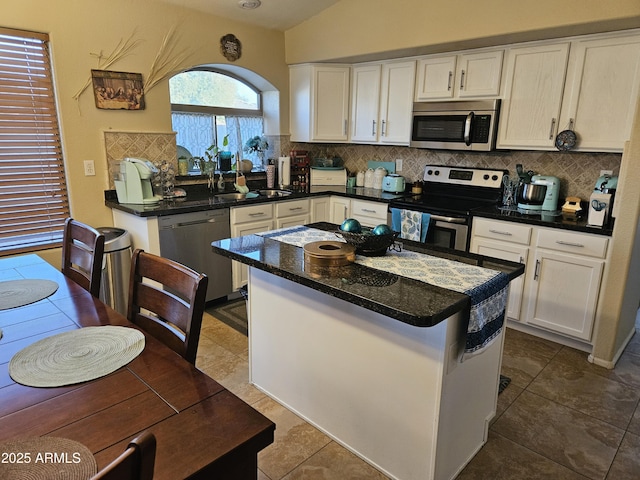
point(284, 171)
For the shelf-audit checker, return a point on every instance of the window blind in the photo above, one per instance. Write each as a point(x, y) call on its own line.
point(33, 192)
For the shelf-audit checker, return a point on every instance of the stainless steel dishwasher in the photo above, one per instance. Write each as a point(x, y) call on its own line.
point(187, 237)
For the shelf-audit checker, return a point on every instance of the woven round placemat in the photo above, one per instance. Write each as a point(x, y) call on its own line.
point(46, 458)
point(16, 293)
point(76, 356)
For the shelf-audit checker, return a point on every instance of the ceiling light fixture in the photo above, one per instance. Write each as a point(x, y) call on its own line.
point(249, 4)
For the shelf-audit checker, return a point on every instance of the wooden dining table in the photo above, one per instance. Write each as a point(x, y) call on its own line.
point(202, 429)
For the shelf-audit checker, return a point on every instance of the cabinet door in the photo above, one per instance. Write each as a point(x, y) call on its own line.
point(505, 251)
point(435, 77)
point(330, 103)
point(293, 221)
point(478, 74)
point(340, 209)
point(602, 89)
point(396, 103)
point(320, 209)
point(365, 101)
point(239, 271)
point(534, 83)
point(563, 293)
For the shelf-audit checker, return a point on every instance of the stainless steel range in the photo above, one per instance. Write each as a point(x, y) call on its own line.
point(449, 195)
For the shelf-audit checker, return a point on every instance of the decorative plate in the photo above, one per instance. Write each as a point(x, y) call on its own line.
point(566, 140)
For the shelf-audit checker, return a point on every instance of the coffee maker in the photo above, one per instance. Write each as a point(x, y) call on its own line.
point(550, 202)
point(601, 200)
point(133, 182)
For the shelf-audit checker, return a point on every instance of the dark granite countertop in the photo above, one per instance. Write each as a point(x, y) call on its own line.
point(199, 198)
point(407, 300)
point(542, 220)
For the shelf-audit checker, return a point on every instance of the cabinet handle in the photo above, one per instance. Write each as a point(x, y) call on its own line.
point(553, 127)
point(571, 124)
point(498, 232)
point(521, 259)
point(537, 270)
point(344, 130)
point(368, 210)
point(294, 209)
point(450, 78)
point(257, 214)
point(462, 80)
point(383, 132)
point(373, 128)
point(569, 244)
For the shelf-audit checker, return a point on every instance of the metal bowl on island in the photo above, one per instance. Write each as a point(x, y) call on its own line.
point(531, 193)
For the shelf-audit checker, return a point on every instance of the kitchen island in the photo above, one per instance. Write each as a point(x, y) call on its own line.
point(371, 357)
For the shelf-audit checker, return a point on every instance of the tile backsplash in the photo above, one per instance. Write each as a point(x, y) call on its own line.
point(577, 172)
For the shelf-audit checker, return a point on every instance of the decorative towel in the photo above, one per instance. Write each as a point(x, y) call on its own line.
point(411, 225)
point(486, 288)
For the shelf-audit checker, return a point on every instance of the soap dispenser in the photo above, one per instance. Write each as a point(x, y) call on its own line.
point(221, 183)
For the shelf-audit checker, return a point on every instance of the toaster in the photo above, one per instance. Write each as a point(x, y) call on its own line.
point(393, 183)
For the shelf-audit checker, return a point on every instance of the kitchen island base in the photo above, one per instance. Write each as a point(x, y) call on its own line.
point(396, 395)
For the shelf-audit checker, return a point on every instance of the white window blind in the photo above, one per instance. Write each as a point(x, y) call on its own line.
point(33, 193)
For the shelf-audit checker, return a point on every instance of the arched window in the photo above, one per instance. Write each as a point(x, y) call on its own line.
point(207, 105)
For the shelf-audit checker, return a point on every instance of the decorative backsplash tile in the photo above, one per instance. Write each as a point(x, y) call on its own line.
point(150, 146)
point(577, 172)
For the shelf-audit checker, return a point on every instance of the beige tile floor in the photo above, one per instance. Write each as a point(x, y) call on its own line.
point(560, 418)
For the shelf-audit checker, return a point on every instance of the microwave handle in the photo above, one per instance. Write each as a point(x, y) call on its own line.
point(467, 129)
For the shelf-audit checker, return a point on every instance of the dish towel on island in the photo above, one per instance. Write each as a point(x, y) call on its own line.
point(411, 225)
point(486, 288)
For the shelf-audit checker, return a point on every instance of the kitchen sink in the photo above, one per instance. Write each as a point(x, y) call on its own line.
point(274, 192)
point(231, 196)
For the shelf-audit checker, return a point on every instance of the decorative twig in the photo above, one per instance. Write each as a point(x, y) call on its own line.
point(166, 61)
point(122, 50)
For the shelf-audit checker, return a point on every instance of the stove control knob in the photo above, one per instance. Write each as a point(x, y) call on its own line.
point(485, 176)
point(429, 172)
point(437, 172)
point(494, 177)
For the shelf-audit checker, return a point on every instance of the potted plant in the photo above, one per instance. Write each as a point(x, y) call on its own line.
point(207, 163)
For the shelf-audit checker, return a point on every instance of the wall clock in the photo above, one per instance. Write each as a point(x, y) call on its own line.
point(230, 47)
point(566, 140)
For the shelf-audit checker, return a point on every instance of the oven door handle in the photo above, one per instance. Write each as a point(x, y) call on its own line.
point(467, 129)
point(439, 218)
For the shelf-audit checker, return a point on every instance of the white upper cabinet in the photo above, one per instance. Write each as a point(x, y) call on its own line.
point(534, 83)
point(319, 102)
point(467, 75)
point(599, 101)
point(381, 101)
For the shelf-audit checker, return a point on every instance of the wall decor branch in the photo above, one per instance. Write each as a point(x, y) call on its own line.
point(167, 61)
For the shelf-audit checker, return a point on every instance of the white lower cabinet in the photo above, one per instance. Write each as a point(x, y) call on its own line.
point(320, 211)
point(292, 212)
point(339, 209)
point(246, 221)
point(561, 285)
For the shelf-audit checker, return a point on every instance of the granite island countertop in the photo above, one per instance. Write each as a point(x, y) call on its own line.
point(407, 300)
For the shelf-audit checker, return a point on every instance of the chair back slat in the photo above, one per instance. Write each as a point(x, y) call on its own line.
point(135, 463)
point(167, 300)
point(82, 254)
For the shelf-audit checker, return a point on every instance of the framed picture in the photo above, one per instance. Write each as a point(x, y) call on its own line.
point(118, 90)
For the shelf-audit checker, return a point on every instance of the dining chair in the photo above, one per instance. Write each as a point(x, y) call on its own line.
point(82, 253)
point(167, 300)
point(135, 463)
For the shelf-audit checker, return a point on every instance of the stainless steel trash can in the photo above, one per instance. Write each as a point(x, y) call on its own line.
point(116, 265)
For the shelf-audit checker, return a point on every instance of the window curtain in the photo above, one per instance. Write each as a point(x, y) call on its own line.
point(241, 129)
point(195, 131)
point(33, 192)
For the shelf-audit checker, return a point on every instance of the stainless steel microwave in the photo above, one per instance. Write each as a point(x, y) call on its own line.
point(470, 125)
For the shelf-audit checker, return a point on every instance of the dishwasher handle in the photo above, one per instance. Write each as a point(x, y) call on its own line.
point(194, 222)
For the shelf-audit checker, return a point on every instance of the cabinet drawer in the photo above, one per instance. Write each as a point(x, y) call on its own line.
point(293, 207)
point(361, 208)
point(578, 243)
point(252, 213)
point(509, 232)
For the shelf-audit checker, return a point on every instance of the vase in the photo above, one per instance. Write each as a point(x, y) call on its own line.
point(261, 159)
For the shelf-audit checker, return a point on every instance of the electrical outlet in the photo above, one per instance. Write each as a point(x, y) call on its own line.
point(398, 164)
point(89, 168)
point(606, 172)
